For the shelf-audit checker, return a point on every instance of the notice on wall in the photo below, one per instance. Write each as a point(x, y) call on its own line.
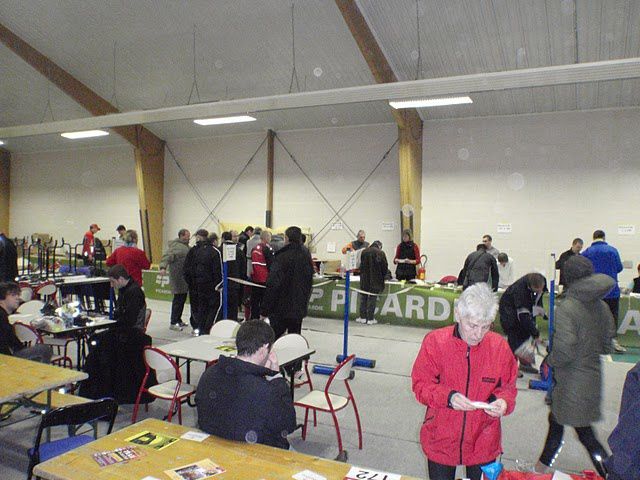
point(352, 260)
point(504, 228)
point(337, 226)
point(331, 247)
point(626, 229)
point(388, 226)
point(229, 252)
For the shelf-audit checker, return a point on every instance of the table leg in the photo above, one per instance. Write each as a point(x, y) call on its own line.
point(48, 434)
point(79, 348)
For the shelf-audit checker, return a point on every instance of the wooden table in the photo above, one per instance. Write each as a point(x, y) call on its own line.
point(242, 461)
point(21, 380)
point(205, 349)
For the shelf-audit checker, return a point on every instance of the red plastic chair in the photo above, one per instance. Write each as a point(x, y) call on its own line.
point(448, 279)
point(30, 336)
point(173, 390)
point(325, 401)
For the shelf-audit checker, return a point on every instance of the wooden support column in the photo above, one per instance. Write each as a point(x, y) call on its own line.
point(270, 169)
point(409, 122)
point(148, 148)
point(5, 190)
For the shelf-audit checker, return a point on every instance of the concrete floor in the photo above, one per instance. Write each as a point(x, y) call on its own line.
point(391, 417)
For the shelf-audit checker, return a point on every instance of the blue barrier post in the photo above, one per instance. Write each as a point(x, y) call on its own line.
point(225, 288)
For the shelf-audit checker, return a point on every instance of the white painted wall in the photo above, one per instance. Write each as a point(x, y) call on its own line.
point(552, 176)
point(336, 159)
point(62, 193)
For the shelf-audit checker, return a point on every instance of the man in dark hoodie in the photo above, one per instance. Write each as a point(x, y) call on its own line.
point(173, 259)
point(583, 331)
point(246, 398)
point(373, 270)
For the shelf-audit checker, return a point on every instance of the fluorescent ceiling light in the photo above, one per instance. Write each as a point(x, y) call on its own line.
point(225, 120)
point(1, 142)
point(85, 134)
point(430, 102)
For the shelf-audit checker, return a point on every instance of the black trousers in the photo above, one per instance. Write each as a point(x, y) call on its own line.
point(438, 471)
point(285, 325)
point(207, 308)
point(193, 298)
point(554, 443)
point(614, 306)
point(367, 306)
point(234, 295)
point(177, 307)
point(257, 293)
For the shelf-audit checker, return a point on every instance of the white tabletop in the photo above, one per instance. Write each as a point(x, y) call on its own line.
point(205, 349)
point(81, 280)
point(96, 322)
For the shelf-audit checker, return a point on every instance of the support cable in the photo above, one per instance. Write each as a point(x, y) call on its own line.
point(294, 73)
point(194, 83)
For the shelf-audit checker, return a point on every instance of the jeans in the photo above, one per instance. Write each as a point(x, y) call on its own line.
point(177, 307)
point(438, 471)
point(614, 306)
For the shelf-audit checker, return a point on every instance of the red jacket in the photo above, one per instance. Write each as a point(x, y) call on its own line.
point(261, 257)
point(133, 259)
point(484, 372)
point(87, 244)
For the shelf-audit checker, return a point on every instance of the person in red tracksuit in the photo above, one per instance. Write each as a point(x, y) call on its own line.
point(129, 255)
point(457, 367)
point(261, 258)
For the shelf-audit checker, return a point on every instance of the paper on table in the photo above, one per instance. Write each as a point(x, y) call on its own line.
point(483, 405)
point(558, 475)
point(367, 473)
point(195, 436)
point(308, 475)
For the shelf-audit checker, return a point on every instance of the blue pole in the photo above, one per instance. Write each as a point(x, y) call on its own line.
point(347, 304)
point(225, 288)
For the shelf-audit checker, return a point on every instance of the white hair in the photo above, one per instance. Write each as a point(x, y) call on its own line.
point(478, 302)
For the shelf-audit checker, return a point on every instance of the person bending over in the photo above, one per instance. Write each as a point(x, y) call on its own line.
point(466, 376)
point(246, 398)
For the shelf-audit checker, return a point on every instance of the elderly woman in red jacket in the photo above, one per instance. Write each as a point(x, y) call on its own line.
point(466, 376)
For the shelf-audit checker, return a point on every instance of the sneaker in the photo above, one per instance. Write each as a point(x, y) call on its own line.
point(617, 348)
point(195, 333)
point(361, 320)
point(372, 322)
point(176, 327)
point(182, 324)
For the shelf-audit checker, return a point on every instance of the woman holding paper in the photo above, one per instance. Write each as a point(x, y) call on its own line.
point(466, 376)
point(407, 256)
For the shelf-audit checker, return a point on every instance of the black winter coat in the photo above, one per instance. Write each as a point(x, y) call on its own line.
point(203, 265)
point(289, 283)
point(8, 260)
point(373, 269)
point(130, 306)
point(479, 267)
point(237, 401)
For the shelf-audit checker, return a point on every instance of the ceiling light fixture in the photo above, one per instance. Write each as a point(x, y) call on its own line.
point(1, 142)
point(430, 102)
point(84, 134)
point(225, 120)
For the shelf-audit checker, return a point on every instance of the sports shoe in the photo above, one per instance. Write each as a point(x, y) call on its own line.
point(372, 322)
point(176, 327)
point(195, 333)
point(182, 324)
point(617, 348)
point(361, 320)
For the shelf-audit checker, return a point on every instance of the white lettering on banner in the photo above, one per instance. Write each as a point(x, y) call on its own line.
point(337, 299)
point(631, 316)
point(162, 280)
point(431, 311)
point(415, 304)
point(316, 294)
point(391, 304)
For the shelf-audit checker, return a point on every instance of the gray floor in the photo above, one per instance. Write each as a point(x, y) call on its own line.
point(390, 415)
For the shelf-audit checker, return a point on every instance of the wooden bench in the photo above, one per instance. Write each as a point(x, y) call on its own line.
point(60, 399)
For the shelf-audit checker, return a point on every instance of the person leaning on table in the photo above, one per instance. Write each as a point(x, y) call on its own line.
point(246, 398)
point(458, 365)
point(9, 343)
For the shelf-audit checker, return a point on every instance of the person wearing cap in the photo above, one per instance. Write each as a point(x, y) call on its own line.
point(373, 270)
point(203, 274)
point(583, 331)
point(88, 244)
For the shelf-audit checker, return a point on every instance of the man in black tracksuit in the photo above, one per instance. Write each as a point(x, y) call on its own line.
point(203, 274)
point(286, 298)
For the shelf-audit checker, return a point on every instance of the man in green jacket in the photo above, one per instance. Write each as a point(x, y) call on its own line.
point(173, 259)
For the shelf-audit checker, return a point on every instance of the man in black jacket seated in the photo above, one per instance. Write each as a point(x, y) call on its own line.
point(286, 298)
point(131, 304)
point(245, 398)
point(9, 343)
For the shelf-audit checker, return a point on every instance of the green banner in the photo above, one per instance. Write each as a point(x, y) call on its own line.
point(408, 304)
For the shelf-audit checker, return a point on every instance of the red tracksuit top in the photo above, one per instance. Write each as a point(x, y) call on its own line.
point(133, 259)
point(484, 372)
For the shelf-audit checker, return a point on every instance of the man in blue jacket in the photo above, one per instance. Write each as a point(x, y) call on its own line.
point(606, 259)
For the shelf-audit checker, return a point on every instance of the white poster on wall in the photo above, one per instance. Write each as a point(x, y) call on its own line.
point(504, 228)
point(331, 247)
point(388, 226)
point(626, 229)
point(337, 226)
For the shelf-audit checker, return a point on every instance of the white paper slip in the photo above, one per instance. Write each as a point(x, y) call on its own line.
point(357, 473)
point(195, 436)
point(308, 475)
point(483, 405)
point(150, 478)
point(558, 475)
